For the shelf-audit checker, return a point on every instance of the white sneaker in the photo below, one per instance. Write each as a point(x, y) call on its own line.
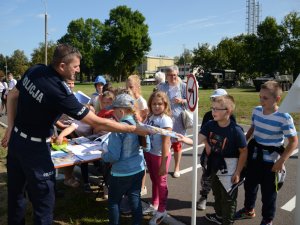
point(158, 218)
point(176, 174)
point(144, 191)
point(150, 210)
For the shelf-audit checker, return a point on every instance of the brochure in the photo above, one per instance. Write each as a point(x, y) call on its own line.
point(80, 150)
point(225, 179)
point(82, 98)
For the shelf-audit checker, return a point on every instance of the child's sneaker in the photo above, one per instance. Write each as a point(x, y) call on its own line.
point(158, 218)
point(201, 205)
point(244, 214)
point(266, 222)
point(214, 218)
point(150, 210)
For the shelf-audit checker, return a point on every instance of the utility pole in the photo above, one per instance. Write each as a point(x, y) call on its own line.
point(46, 32)
point(183, 60)
point(5, 67)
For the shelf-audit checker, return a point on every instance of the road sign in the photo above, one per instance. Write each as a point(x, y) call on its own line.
point(192, 92)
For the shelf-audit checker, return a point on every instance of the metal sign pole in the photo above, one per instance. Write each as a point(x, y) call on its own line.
point(195, 163)
point(192, 102)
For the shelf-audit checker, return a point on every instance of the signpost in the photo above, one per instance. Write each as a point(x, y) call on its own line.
point(192, 102)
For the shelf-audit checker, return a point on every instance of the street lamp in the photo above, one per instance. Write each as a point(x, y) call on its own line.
point(5, 67)
point(46, 31)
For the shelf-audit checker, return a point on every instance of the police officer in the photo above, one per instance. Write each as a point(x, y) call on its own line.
point(34, 105)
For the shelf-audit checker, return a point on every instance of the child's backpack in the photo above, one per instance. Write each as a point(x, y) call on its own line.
point(142, 139)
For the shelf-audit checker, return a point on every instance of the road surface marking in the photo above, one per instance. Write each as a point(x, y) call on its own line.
point(290, 205)
point(188, 169)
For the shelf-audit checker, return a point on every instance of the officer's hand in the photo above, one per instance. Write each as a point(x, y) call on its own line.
point(140, 130)
point(5, 139)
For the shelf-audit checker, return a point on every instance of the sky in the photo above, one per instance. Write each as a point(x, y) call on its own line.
point(174, 25)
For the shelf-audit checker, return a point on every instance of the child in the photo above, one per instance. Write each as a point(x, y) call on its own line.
point(77, 128)
point(158, 159)
point(99, 84)
point(106, 112)
point(266, 152)
point(226, 147)
point(134, 84)
point(106, 103)
point(205, 181)
point(127, 161)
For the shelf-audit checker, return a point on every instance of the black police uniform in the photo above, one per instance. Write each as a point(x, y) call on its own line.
point(43, 97)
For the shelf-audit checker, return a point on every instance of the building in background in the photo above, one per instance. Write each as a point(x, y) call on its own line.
point(152, 64)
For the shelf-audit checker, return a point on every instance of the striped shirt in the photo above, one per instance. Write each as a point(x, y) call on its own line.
point(270, 130)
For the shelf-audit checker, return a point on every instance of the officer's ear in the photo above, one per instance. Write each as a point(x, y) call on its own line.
point(61, 67)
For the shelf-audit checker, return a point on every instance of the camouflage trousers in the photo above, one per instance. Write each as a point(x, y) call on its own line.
point(205, 181)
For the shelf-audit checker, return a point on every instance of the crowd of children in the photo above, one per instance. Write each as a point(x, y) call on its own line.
point(227, 159)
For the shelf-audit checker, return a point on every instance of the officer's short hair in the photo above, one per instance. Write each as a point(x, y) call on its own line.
point(64, 53)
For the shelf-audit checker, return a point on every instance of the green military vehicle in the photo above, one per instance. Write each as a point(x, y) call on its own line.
point(218, 78)
point(285, 81)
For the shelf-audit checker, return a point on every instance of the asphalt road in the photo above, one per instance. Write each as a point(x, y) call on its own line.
point(180, 193)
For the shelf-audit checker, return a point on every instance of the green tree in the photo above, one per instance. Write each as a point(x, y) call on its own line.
point(291, 44)
point(269, 46)
point(203, 56)
point(185, 57)
point(125, 42)
point(38, 55)
point(2, 65)
point(85, 36)
point(18, 63)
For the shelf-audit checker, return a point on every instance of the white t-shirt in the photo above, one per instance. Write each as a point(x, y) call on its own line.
point(142, 103)
point(161, 121)
point(11, 84)
point(3, 85)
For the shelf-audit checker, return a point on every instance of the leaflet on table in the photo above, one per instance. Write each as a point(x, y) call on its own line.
point(157, 130)
point(82, 98)
point(61, 158)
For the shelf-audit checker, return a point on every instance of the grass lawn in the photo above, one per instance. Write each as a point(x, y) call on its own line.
point(246, 99)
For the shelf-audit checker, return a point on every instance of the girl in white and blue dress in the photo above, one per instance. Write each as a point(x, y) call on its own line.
point(158, 158)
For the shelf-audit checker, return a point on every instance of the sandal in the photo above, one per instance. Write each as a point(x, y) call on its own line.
point(72, 182)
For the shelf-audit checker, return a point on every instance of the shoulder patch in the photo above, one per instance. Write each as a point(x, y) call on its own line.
point(66, 88)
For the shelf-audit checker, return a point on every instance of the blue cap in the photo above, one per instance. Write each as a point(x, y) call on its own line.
point(100, 79)
point(123, 101)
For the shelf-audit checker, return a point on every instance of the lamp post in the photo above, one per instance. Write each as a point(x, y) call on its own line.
point(46, 31)
point(5, 67)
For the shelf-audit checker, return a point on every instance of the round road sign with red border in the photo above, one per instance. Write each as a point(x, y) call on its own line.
point(192, 92)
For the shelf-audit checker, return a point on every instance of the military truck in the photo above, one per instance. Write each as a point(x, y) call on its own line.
point(218, 78)
point(285, 81)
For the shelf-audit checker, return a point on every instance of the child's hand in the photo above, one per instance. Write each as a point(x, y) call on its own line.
point(235, 178)
point(184, 139)
point(180, 137)
point(278, 166)
point(59, 140)
point(162, 170)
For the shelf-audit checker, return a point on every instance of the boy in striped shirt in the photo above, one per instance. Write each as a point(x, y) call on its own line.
point(266, 152)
